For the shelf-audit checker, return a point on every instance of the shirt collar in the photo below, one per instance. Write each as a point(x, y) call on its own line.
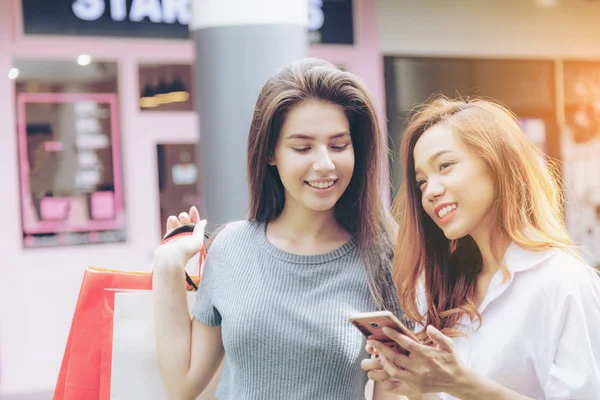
point(517, 259)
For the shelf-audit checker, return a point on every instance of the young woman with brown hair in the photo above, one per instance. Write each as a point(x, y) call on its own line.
point(484, 263)
point(277, 289)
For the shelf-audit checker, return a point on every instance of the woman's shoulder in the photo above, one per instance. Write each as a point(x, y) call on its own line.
point(233, 235)
point(566, 275)
point(563, 264)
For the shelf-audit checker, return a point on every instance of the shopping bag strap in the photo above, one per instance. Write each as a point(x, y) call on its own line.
point(187, 230)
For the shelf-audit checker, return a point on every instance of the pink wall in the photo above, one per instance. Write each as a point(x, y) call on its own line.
point(39, 287)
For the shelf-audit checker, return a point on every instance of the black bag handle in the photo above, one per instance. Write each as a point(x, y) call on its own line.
point(184, 229)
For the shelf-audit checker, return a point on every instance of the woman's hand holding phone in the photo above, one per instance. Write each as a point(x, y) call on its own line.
point(377, 373)
point(422, 370)
point(374, 327)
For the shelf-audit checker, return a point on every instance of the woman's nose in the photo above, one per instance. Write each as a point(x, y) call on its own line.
point(434, 190)
point(323, 162)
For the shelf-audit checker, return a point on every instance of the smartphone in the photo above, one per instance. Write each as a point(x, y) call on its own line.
point(371, 324)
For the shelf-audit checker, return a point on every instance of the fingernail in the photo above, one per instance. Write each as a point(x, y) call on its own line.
point(387, 330)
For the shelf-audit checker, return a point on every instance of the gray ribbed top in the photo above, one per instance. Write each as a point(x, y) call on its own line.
point(284, 317)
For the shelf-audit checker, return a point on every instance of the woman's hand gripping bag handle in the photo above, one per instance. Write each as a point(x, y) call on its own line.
point(188, 230)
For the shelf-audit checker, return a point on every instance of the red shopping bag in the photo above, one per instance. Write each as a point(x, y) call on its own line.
point(81, 367)
point(79, 377)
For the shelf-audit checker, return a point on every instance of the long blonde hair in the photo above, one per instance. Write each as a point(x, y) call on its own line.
point(528, 210)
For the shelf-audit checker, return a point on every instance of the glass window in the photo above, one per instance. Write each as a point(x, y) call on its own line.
point(69, 153)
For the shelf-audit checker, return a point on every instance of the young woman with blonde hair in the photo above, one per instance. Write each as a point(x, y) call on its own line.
point(485, 265)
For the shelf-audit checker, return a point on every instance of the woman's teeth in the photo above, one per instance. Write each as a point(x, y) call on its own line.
point(444, 211)
point(321, 185)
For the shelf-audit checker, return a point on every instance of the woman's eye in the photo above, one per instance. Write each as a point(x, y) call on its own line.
point(339, 148)
point(420, 183)
point(445, 165)
point(301, 149)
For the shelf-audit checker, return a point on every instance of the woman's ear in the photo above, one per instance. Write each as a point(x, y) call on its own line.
point(271, 161)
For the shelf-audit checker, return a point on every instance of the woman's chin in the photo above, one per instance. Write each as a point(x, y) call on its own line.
point(453, 234)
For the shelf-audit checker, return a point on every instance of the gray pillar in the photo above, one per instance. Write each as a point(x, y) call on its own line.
point(239, 45)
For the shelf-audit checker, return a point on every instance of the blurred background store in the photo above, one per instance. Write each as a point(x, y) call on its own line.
point(99, 127)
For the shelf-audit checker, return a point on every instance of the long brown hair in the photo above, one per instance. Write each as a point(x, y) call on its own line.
point(359, 210)
point(528, 210)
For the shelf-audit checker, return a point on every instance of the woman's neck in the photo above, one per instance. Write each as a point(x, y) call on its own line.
point(490, 264)
point(308, 224)
point(304, 231)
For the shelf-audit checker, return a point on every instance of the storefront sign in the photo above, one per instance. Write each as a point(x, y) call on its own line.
point(330, 21)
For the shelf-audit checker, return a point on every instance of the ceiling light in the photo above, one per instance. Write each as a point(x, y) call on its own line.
point(13, 73)
point(84, 59)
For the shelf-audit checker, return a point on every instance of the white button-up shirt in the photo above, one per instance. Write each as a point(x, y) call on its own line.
point(540, 332)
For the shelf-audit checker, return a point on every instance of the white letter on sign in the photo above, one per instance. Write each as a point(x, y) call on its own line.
point(88, 10)
point(316, 17)
point(141, 9)
point(118, 10)
point(176, 10)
